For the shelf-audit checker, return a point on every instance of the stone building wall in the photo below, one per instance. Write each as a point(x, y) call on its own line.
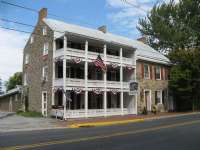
point(152, 84)
point(33, 69)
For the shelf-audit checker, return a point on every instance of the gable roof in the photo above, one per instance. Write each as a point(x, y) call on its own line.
point(143, 51)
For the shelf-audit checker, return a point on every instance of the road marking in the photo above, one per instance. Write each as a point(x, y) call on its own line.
point(43, 144)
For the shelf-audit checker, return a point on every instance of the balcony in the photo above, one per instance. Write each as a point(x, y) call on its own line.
point(71, 52)
point(91, 83)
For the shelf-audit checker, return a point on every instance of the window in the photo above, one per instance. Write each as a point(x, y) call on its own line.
point(113, 75)
point(26, 58)
point(45, 73)
point(25, 79)
point(146, 71)
point(44, 30)
point(32, 39)
point(46, 48)
point(68, 71)
point(158, 72)
point(16, 98)
point(98, 74)
point(158, 97)
point(44, 103)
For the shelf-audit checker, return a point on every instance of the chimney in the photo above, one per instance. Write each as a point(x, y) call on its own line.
point(42, 14)
point(143, 39)
point(103, 29)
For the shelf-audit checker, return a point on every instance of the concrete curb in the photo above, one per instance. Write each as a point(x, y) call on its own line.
point(7, 115)
point(105, 123)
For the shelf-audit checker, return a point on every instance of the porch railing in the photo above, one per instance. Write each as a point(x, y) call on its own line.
point(92, 55)
point(91, 112)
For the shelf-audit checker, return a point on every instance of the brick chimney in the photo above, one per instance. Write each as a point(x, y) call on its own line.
point(42, 14)
point(103, 29)
point(143, 39)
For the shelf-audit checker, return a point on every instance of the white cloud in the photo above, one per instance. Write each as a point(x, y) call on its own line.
point(126, 16)
point(11, 52)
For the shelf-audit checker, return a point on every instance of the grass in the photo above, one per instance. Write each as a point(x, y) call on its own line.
point(29, 114)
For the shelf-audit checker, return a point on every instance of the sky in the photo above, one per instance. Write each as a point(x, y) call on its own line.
point(119, 17)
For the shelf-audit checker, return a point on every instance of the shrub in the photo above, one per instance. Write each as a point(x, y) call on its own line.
point(144, 111)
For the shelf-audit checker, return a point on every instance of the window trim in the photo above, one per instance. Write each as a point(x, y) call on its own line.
point(43, 73)
point(161, 100)
point(25, 79)
point(148, 71)
point(46, 48)
point(44, 31)
point(160, 72)
point(27, 58)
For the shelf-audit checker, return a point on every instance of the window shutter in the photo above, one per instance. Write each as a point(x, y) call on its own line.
point(162, 77)
point(151, 71)
point(166, 74)
point(142, 70)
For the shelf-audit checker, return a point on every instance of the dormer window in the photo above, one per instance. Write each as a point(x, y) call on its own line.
point(46, 48)
point(44, 30)
point(32, 39)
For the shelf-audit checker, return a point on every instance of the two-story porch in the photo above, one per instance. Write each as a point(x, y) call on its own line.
point(80, 89)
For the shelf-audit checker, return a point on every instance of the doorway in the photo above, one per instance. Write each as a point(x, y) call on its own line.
point(44, 104)
point(147, 96)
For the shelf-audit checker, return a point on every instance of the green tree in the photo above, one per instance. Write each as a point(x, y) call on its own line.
point(16, 79)
point(172, 26)
point(1, 87)
point(185, 78)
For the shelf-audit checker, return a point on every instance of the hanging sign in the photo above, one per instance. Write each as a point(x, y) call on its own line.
point(133, 87)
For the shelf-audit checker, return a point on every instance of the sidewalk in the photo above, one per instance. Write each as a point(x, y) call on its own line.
point(5, 114)
point(19, 123)
point(116, 120)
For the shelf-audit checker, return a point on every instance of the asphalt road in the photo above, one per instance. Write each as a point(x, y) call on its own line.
point(179, 133)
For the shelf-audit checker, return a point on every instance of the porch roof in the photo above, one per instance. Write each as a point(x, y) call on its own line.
point(143, 51)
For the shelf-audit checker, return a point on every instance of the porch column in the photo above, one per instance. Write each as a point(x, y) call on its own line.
point(136, 104)
point(64, 77)
point(121, 84)
point(53, 76)
point(86, 79)
point(105, 82)
point(86, 103)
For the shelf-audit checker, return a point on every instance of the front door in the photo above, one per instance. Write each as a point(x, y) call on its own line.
point(147, 95)
point(44, 104)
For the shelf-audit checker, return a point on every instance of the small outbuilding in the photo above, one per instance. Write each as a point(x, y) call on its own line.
point(11, 101)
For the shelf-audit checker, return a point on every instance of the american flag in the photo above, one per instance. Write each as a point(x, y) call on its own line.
point(99, 63)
